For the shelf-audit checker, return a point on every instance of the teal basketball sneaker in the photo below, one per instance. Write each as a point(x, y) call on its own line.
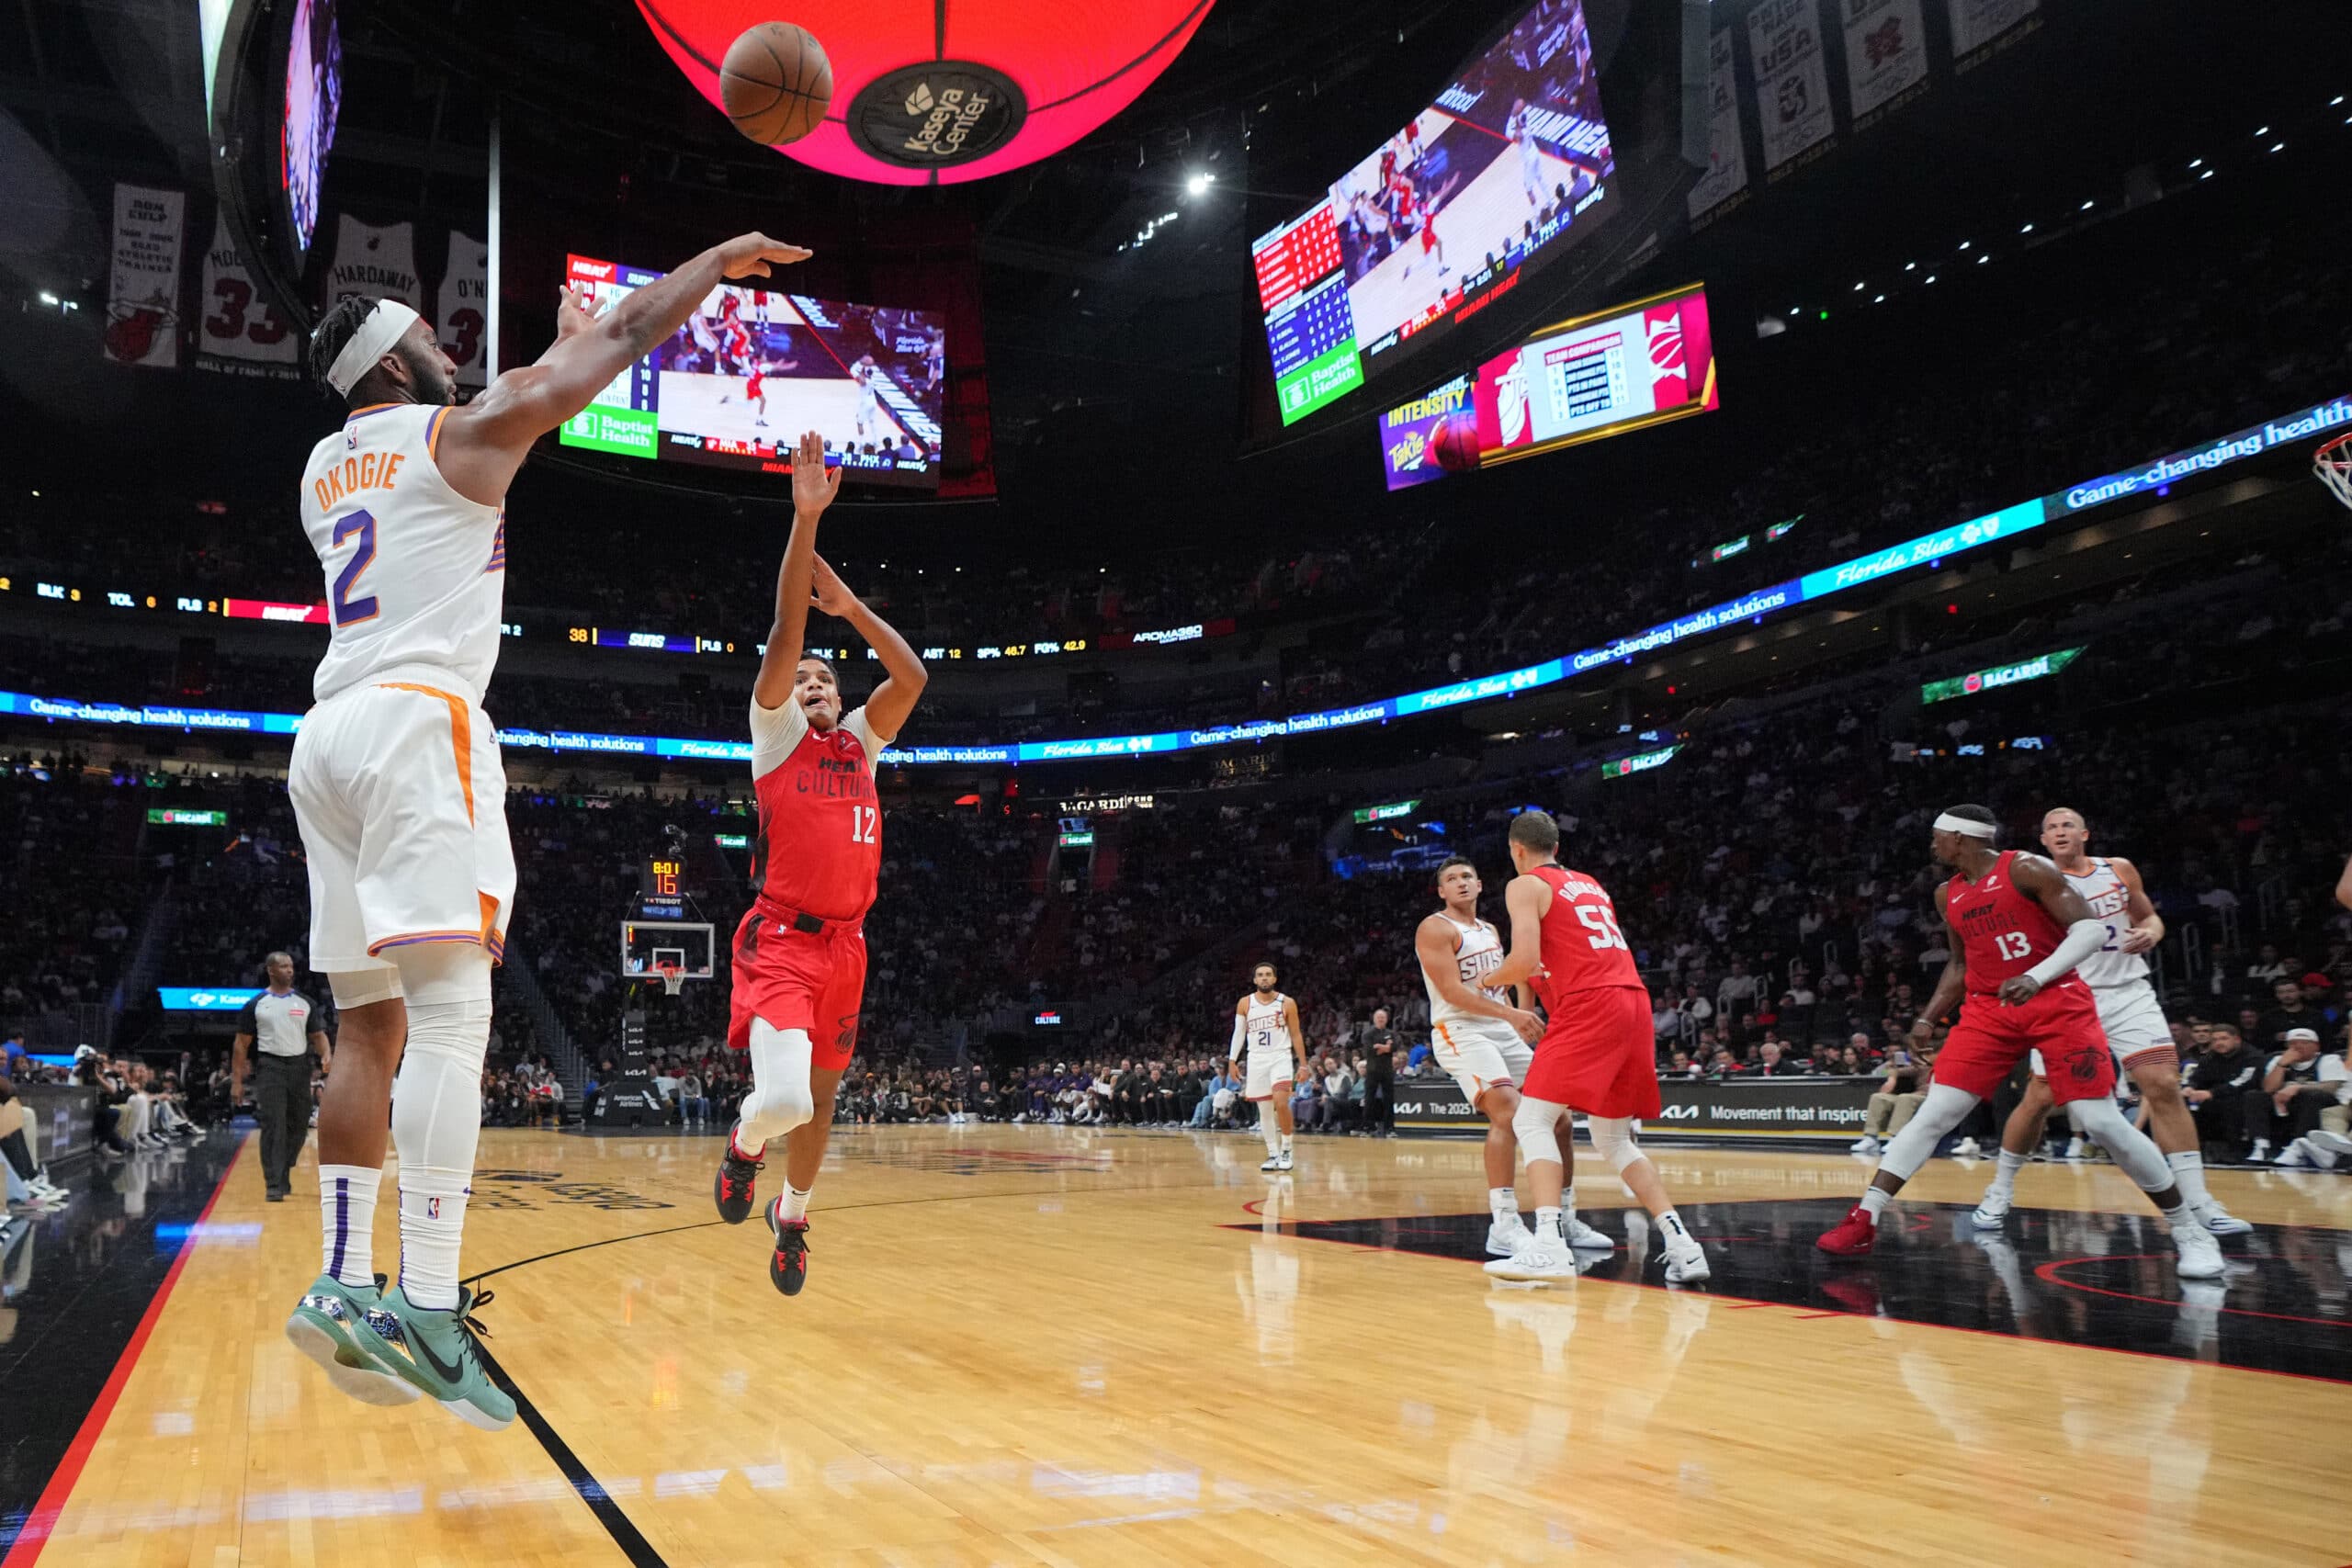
point(436, 1352)
point(322, 1328)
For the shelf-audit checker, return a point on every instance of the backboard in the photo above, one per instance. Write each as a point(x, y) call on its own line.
point(647, 945)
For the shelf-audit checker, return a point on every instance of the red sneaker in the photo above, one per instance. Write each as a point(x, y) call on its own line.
point(1854, 1237)
point(789, 1267)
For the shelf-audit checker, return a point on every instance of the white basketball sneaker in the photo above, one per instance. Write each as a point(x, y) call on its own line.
point(1537, 1259)
point(1582, 1237)
point(1506, 1235)
point(1864, 1145)
point(2200, 1255)
point(1685, 1264)
point(2220, 1221)
point(1273, 1162)
point(1994, 1211)
point(1285, 1161)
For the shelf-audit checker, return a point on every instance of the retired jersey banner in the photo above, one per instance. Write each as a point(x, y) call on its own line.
point(1791, 85)
point(144, 295)
point(461, 314)
point(1978, 24)
point(1726, 175)
point(377, 263)
point(1886, 54)
point(238, 330)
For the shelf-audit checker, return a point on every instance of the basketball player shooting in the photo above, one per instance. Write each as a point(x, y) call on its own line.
point(2130, 1016)
point(1484, 1043)
point(401, 799)
point(799, 980)
point(2020, 929)
point(1598, 1055)
point(1266, 1022)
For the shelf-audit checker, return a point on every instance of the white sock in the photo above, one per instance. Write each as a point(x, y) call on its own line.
point(1547, 1226)
point(436, 1123)
point(2189, 1175)
point(1874, 1202)
point(1504, 1202)
point(1268, 1131)
point(795, 1203)
point(347, 1223)
point(1286, 1143)
point(1676, 1234)
point(2004, 1180)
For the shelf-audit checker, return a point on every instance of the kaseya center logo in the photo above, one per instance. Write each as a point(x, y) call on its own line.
point(936, 115)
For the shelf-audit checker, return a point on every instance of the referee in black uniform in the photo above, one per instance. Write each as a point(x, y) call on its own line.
point(283, 1024)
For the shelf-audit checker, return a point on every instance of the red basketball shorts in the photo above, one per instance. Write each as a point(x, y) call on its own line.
point(2062, 1022)
point(814, 982)
point(1599, 1055)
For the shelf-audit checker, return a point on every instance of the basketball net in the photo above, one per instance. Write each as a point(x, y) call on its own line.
point(2332, 464)
point(672, 975)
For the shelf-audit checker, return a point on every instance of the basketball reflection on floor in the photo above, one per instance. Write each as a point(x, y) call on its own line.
point(2098, 1279)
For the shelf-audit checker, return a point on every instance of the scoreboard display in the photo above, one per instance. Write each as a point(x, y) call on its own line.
point(1618, 369)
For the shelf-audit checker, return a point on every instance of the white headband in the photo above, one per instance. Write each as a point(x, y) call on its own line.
point(380, 330)
point(1948, 823)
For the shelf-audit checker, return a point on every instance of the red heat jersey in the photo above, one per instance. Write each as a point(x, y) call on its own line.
point(1583, 949)
point(820, 846)
point(2003, 929)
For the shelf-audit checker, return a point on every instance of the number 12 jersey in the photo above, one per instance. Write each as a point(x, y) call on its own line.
point(820, 846)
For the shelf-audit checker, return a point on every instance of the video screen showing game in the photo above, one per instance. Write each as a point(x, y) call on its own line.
point(1510, 163)
point(751, 369)
point(314, 104)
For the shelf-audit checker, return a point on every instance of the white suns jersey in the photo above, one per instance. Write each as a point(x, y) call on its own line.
point(1263, 1031)
point(416, 572)
point(2109, 898)
point(1477, 951)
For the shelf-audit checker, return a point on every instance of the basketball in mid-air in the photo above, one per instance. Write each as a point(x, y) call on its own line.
point(1454, 444)
point(775, 83)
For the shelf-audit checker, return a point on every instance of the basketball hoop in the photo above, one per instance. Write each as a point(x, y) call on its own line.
point(672, 975)
point(2332, 464)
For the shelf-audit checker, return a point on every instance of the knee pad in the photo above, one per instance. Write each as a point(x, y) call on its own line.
point(363, 987)
point(781, 1098)
point(1534, 1124)
point(1613, 1140)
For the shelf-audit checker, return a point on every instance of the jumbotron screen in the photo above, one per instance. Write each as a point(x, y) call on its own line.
point(1511, 162)
point(1618, 369)
point(751, 371)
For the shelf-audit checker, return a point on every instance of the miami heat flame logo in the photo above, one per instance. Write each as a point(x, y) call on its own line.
point(1665, 348)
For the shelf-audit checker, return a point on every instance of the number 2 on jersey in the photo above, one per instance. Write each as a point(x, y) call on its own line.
point(864, 824)
point(1605, 922)
point(348, 611)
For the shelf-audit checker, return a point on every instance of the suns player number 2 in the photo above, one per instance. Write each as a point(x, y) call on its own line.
point(864, 824)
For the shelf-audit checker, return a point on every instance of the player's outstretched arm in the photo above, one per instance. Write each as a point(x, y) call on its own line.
point(483, 444)
point(1240, 1029)
point(1525, 900)
point(903, 674)
point(2147, 927)
point(813, 490)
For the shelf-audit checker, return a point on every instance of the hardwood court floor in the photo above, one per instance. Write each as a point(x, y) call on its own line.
point(1048, 1346)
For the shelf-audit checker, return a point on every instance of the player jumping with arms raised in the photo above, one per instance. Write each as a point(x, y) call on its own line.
point(1598, 1053)
point(2129, 1016)
point(1266, 1022)
point(800, 953)
point(402, 801)
point(1483, 1041)
point(2019, 927)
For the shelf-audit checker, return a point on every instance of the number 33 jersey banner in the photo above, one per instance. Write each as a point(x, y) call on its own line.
point(238, 333)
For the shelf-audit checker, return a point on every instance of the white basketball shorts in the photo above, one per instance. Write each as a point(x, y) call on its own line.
point(401, 800)
point(2135, 1025)
point(1481, 1054)
point(1268, 1068)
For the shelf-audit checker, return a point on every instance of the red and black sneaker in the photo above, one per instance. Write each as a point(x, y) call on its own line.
point(788, 1267)
point(735, 1187)
point(1853, 1237)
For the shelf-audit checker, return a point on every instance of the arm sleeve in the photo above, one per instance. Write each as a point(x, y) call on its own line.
point(1240, 1028)
point(2082, 939)
point(774, 732)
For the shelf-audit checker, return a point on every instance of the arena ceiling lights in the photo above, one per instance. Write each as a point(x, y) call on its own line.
point(939, 92)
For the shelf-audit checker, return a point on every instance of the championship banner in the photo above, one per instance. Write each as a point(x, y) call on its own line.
point(460, 314)
point(143, 298)
point(377, 263)
point(1887, 55)
point(1794, 1109)
point(1976, 25)
point(238, 330)
point(1727, 175)
point(1791, 85)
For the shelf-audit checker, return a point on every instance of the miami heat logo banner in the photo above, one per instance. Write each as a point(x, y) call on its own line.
point(143, 296)
point(1600, 375)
